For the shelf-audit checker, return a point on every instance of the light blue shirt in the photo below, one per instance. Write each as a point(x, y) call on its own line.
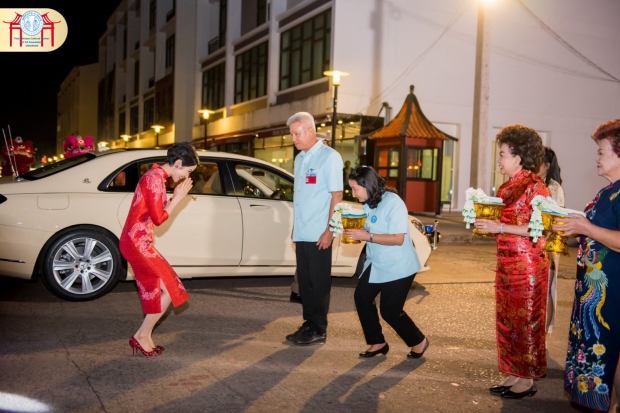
point(318, 173)
point(390, 262)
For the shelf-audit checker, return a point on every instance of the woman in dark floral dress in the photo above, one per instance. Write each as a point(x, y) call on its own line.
point(592, 378)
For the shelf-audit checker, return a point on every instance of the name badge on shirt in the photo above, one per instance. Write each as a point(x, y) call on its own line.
point(311, 177)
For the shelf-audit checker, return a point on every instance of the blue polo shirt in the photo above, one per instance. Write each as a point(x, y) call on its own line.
point(390, 262)
point(318, 173)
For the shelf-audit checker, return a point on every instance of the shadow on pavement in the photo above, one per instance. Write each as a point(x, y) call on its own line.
point(366, 397)
point(239, 390)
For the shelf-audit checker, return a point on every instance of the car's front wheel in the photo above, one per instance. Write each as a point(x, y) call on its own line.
point(82, 265)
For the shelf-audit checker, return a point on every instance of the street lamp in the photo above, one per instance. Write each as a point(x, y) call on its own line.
point(158, 129)
point(125, 138)
point(205, 115)
point(335, 75)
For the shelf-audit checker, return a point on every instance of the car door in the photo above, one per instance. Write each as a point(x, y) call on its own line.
point(205, 229)
point(266, 199)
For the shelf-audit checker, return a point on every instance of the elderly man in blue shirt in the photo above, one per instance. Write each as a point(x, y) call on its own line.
point(318, 188)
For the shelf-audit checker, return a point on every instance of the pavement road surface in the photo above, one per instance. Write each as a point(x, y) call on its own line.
point(226, 352)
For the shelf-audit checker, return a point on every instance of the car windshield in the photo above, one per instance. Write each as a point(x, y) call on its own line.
point(56, 167)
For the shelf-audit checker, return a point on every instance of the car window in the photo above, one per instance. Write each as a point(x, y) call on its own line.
point(119, 182)
point(206, 177)
point(56, 167)
point(257, 182)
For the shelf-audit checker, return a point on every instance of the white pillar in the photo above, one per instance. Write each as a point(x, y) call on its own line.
point(480, 172)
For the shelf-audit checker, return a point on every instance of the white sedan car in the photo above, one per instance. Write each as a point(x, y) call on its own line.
point(62, 222)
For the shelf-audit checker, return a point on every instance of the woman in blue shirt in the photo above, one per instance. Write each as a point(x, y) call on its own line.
point(391, 264)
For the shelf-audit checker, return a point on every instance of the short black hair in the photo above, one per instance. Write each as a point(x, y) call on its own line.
point(183, 151)
point(368, 178)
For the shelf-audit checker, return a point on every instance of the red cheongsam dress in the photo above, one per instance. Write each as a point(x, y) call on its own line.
point(521, 283)
point(136, 243)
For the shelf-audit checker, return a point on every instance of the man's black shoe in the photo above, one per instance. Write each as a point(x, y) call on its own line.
point(310, 336)
point(307, 325)
point(295, 298)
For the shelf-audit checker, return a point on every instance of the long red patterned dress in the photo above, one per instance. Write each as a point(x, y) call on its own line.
point(521, 283)
point(136, 243)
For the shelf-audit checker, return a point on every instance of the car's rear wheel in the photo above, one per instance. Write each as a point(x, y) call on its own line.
point(82, 265)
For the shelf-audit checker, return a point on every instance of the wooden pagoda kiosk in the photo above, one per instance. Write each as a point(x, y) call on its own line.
point(408, 153)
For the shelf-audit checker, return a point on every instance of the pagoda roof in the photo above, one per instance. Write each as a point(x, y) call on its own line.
point(411, 123)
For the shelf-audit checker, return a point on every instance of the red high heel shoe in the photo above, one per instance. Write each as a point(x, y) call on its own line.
point(159, 349)
point(135, 346)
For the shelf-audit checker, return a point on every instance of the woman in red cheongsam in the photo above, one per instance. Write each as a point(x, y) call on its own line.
point(157, 282)
point(522, 265)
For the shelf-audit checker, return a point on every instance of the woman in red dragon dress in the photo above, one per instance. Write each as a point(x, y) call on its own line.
point(522, 266)
point(157, 282)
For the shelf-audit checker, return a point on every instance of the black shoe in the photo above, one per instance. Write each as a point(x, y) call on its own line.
point(295, 298)
point(499, 389)
point(310, 336)
point(305, 326)
point(382, 350)
point(414, 355)
point(509, 394)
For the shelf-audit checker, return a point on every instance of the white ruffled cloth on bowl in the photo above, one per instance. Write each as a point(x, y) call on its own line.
point(335, 222)
point(476, 195)
point(545, 204)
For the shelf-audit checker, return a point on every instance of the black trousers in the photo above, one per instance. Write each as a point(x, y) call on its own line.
point(314, 275)
point(393, 297)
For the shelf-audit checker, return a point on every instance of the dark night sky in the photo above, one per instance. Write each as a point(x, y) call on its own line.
point(31, 80)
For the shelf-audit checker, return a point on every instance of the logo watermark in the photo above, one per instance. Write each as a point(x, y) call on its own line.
point(32, 30)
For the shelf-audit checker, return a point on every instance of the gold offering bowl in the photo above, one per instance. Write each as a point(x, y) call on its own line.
point(352, 222)
point(487, 211)
point(556, 242)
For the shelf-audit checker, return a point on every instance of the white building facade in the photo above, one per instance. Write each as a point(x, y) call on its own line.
point(77, 104)
point(553, 67)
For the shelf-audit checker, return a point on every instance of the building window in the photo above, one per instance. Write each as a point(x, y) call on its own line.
point(446, 171)
point(251, 73)
point(125, 42)
point(387, 161)
point(223, 14)
point(262, 9)
point(133, 120)
point(136, 78)
point(152, 13)
point(170, 51)
point(121, 123)
point(305, 51)
point(422, 163)
point(149, 114)
point(213, 87)
point(172, 11)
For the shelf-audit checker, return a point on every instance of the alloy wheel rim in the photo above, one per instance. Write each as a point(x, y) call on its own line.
point(82, 265)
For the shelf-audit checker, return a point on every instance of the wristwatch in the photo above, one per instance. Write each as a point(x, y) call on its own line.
point(371, 237)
